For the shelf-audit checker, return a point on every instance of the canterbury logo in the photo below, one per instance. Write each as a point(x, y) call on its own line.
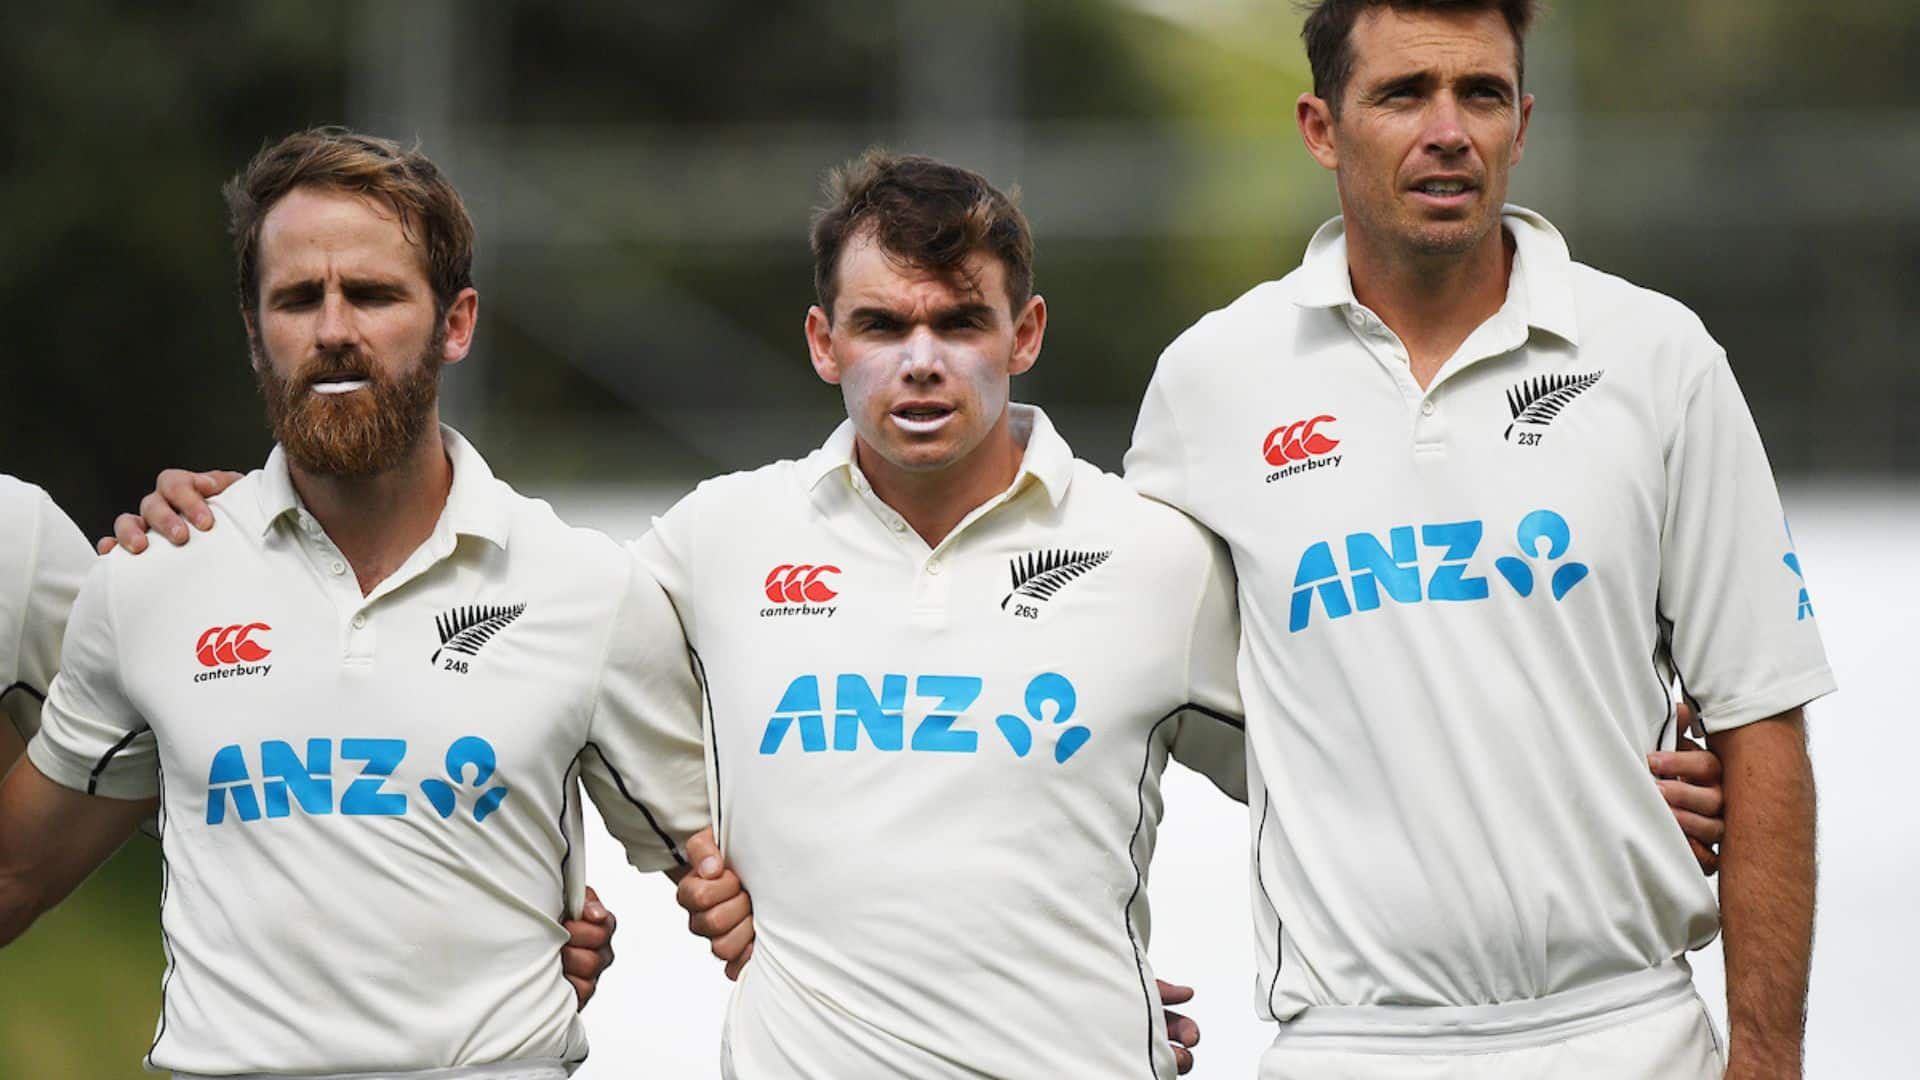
point(465, 629)
point(1298, 441)
point(1538, 400)
point(231, 645)
point(1040, 574)
point(802, 584)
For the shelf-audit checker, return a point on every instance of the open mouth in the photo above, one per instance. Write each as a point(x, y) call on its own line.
point(1450, 190)
point(921, 416)
point(338, 384)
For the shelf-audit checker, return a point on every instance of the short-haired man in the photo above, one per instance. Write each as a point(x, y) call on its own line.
point(363, 706)
point(1484, 503)
point(940, 705)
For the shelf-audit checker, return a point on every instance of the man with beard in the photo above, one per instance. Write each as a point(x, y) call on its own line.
point(947, 666)
point(1465, 478)
point(362, 708)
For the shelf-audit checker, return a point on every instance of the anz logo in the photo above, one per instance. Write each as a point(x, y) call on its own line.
point(1393, 567)
point(1050, 702)
point(288, 778)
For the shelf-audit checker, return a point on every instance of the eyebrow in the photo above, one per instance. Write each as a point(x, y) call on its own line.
point(1426, 79)
point(937, 315)
point(311, 287)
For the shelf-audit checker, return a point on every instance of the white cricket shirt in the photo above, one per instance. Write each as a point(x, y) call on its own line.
point(368, 806)
point(43, 560)
point(937, 770)
point(1461, 606)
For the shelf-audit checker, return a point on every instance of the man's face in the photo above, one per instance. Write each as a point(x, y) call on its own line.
point(923, 363)
point(1431, 123)
point(347, 346)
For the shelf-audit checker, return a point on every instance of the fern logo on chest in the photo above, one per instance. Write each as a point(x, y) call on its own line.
point(1536, 402)
point(1039, 575)
point(465, 630)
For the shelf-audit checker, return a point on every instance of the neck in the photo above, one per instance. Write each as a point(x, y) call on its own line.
point(934, 501)
point(377, 521)
point(1432, 302)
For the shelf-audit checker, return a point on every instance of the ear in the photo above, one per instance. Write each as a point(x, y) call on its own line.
point(1520, 139)
point(1029, 329)
point(1315, 118)
point(820, 345)
point(462, 319)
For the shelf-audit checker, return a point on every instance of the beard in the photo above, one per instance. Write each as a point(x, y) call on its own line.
point(358, 434)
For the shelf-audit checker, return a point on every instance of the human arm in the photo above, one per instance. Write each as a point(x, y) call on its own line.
point(1211, 736)
point(718, 906)
point(51, 838)
point(178, 497)
point(1767, 893)
point(48, 566)
point(588, 952)
point(1689, 778)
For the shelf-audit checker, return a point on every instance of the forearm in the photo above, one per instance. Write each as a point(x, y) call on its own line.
point(51, 838)
point(1767, 891)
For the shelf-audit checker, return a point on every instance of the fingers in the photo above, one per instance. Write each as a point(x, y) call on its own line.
point(1173, 993)
point(594, 911)
point(735, 967)
point(716, 922)
point(1705, 801)
point(1707, 830)
point(734, 944)
point(157, 515)
point(129, 532)
point(106, 544)
point(185, 494)
point(1695, 766)
point(1182, 1060)
point(582, 991)
point(1685, 718)
point(1708, 859)
point(703, 854)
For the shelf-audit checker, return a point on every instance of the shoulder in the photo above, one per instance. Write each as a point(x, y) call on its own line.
point(1166, 535)
point(539, 537)
point(1257, 314)
point(1631, 322)
point(750, 496)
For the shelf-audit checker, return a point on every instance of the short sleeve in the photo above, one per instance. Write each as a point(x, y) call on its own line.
point(58, 561)
point(1733, 592)
point(1156, 462)
point(91, 737)
point(644, 764)
point(1211, 739)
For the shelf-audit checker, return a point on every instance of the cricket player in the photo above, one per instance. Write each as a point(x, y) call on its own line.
point(43, 560)
point(1484, 503)
point(946, 665)
point(361, 708)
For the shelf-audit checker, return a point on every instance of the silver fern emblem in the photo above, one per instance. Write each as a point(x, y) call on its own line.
point(1040, 574)
point(1538, 400)
point(465, 629)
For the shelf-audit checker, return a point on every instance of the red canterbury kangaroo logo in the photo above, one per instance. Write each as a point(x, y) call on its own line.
point(231, 645)
point(789, 584)
point(1298, 441)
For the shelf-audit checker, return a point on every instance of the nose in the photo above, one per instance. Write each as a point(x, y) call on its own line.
point(1446, 135)
point(921, 361)
point(335, 329)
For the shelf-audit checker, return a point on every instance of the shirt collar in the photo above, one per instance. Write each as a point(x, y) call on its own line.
point(1048, 459)
point(474, 503)
point(1541, 261)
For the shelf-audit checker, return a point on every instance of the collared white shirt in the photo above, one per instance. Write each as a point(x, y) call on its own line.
point(368, 804)
point(937, 768)
point(1462, 607)
point(43, 560)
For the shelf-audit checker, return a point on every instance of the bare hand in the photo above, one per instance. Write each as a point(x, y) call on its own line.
point(178, 497)
point(717, 905)
point(1183, 1034)
point(588, 952)
point(1689, 779)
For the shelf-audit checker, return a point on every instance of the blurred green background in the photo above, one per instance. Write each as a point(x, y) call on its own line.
point(641, 176)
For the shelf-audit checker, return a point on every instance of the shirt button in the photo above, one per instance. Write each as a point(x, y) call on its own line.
point(933, 566)
point(1426, 408)
point(1355, 317)
point(899, 526)
point(360, 622)
point(338, 567)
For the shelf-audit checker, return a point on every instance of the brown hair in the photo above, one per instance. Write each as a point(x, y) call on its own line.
point(431, 212)
point(925, 214)
point(1329, 31)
